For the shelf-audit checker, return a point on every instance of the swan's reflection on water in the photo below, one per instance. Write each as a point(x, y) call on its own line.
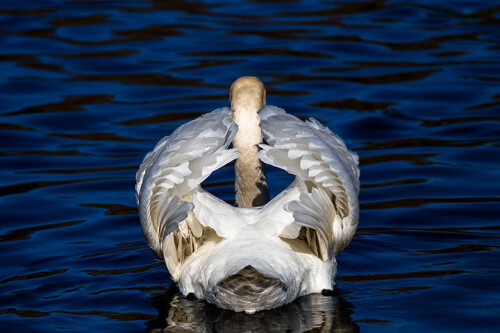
point(312, 313)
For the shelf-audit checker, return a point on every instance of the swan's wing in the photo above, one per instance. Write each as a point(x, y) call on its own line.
point(215, 213)
point(326, 198)
point(168, 175)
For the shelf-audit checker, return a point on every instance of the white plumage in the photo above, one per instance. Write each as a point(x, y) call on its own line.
point(255, 258)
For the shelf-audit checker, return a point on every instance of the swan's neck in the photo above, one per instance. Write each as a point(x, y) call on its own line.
point(250, 178)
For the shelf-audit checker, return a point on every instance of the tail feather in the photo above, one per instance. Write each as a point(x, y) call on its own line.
point(250, 291)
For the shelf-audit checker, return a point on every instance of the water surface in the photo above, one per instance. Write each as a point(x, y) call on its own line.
point(88, 87)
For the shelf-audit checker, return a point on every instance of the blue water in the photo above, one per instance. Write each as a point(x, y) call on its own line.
point(88, 87)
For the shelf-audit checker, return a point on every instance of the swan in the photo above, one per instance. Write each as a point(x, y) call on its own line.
point(262, 253)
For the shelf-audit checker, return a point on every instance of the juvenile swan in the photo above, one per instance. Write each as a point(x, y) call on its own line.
point(261, 254)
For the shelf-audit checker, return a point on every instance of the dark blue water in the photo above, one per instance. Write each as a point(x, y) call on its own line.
point(88, 87)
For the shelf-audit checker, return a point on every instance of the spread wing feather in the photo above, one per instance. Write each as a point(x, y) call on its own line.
point(326, 170)
point(176, 166)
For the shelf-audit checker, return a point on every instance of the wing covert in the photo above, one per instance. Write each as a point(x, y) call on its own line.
point(178, 164)
point(327, 170)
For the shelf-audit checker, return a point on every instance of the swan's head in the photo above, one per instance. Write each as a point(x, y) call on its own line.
point(247, 94)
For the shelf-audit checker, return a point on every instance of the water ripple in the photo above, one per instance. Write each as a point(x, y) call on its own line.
point(89, 87)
